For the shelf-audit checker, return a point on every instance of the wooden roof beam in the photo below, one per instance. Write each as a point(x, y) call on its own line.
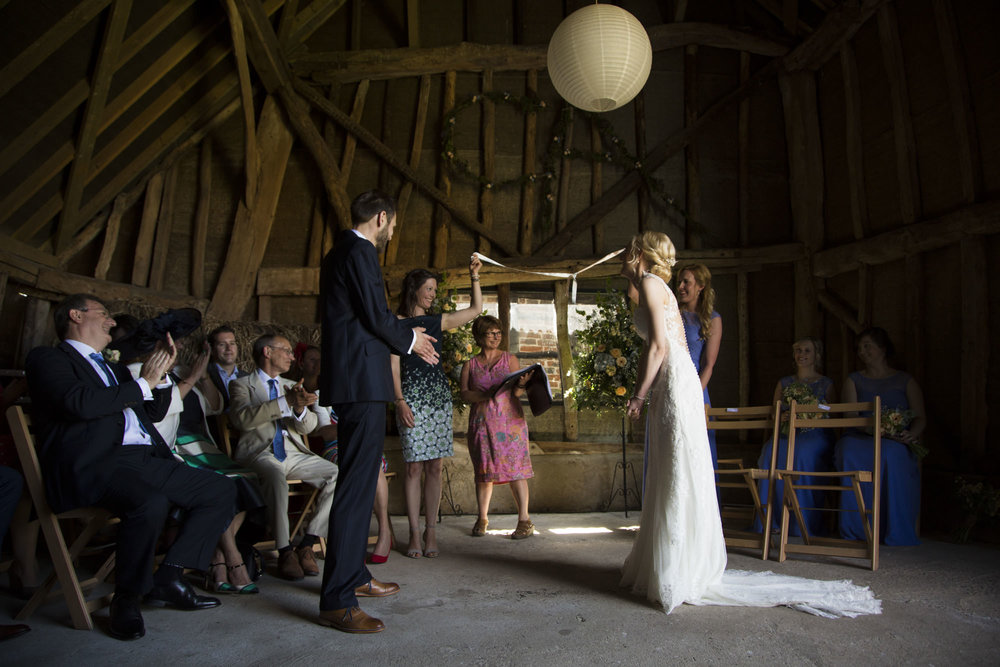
point(839, 26)
point(346, 66)
point(107, 65)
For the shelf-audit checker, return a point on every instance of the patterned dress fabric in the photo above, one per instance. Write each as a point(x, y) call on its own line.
point(498, 433)
point(425, 388)
point(813, 451)
point(679, 555)
point(900, 502)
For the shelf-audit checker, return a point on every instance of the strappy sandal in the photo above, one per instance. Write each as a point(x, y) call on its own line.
point(213, 586)
point(430, 553)
point(249, 589)
point(524, 529)
point(480, 528)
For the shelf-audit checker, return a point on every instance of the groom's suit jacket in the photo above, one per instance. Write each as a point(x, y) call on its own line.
point(80, 422)
point(254, 414)
point(358, 328)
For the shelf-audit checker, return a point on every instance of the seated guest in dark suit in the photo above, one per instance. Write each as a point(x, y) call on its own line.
point(98, 447)
point(225, 351)
point(273, 418)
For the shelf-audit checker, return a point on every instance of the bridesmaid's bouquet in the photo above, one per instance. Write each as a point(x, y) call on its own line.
point(894, 422)
point(802, 394)
point(606, 358)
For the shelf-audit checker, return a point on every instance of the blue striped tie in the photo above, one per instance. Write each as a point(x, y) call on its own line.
point(278, 445)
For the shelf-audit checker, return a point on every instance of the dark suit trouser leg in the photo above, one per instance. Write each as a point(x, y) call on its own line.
point(142, 490)
point(361, 436)
point(10, 494)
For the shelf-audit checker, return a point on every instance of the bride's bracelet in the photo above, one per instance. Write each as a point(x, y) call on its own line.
point(641, 399)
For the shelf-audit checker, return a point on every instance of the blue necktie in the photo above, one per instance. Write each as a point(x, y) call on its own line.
point(108, 375)
point(278, 445)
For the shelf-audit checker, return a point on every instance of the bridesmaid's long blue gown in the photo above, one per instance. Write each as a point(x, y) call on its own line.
point(900, 472)
point(813, 451)
point(696, 346)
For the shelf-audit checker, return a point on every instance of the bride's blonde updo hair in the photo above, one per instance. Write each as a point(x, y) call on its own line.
point(658, 250)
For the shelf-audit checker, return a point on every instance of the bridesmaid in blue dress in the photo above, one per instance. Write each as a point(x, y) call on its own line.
point(900, 472)
point(702, 326)
point(813, 447)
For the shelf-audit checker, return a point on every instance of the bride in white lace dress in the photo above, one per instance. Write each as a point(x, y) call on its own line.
point(679, 554)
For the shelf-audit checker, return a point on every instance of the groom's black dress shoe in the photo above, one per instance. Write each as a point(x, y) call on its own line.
point(126, 619)
point(180, 595)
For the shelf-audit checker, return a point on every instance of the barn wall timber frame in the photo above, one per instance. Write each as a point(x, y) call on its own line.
point(843, 162)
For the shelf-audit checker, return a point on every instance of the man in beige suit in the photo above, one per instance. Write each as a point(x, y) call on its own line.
point(272, 417)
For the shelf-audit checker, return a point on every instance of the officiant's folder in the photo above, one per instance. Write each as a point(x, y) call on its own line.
point(537, 389)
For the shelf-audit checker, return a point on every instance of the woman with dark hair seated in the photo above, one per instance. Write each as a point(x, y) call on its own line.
point(813, 447)
point(903, 401)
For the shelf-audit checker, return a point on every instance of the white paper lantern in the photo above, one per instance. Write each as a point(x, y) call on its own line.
point(599, 58)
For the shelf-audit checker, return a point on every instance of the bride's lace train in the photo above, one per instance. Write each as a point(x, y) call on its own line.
point(829, 599)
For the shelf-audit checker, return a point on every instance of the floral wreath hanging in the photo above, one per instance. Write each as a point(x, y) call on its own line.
point(615, 153)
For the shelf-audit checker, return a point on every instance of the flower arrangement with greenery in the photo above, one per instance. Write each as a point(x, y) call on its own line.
point(606, 361)
point(457, 345)
point(979, 500)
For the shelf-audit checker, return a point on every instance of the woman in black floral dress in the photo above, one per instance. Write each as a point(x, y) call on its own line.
point(423, 403)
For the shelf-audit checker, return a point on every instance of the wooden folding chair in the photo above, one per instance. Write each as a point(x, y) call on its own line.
point(839, 415)
point(63, 557)
point(296, 489)
point(732, 474)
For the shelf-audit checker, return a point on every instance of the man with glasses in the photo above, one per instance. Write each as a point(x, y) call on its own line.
point(272, 416)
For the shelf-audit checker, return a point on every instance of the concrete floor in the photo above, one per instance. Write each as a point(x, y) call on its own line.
point(553, 599)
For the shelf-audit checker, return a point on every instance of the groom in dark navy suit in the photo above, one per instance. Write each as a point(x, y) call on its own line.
point(98, 446)
point(358, 333)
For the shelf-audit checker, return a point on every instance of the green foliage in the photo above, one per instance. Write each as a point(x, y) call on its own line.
point(607, 359)
point(457, 345)
point(980, 500)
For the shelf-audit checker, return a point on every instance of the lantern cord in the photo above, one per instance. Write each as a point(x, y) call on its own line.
point(553, 274)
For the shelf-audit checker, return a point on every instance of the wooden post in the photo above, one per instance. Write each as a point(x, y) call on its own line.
point(639, 112)
point(562, 198)
point(902, 122)
point(317, 229)
point(692, 172)
point(147, 229)
point(743, 199)
point(489, 160)
point(503, 313)
point(854, 152)
point(596, 186)
point(36, 327)
point(416, 150)
point(805, 167)
point(111, 237)
point(202, 216)
point(527, 231)
point(246, 95)
point(914, 316)
point(164, 227)
point(442, 225)
point(570, 414)
point(963, 116)
point(253, 227)
point(975, 352)
point(4, 276)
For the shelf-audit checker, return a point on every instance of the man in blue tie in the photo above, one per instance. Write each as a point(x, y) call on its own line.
point(272, 416)
point(98, 446)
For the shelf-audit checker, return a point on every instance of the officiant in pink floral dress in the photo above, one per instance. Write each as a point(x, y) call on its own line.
point(497, 433)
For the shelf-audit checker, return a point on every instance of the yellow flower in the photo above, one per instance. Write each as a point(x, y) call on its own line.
point(610, 371)
point(468, 347)
point(615, 352)
point(446, 366)
point(620, 391)
point(621, 361)
point(458, 355)
point(601, 347)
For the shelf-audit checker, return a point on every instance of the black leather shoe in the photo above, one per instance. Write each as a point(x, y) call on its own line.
point(126, 619)
point(180, 595)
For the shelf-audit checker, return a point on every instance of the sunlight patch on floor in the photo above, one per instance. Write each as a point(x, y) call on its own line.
point(585, 530)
